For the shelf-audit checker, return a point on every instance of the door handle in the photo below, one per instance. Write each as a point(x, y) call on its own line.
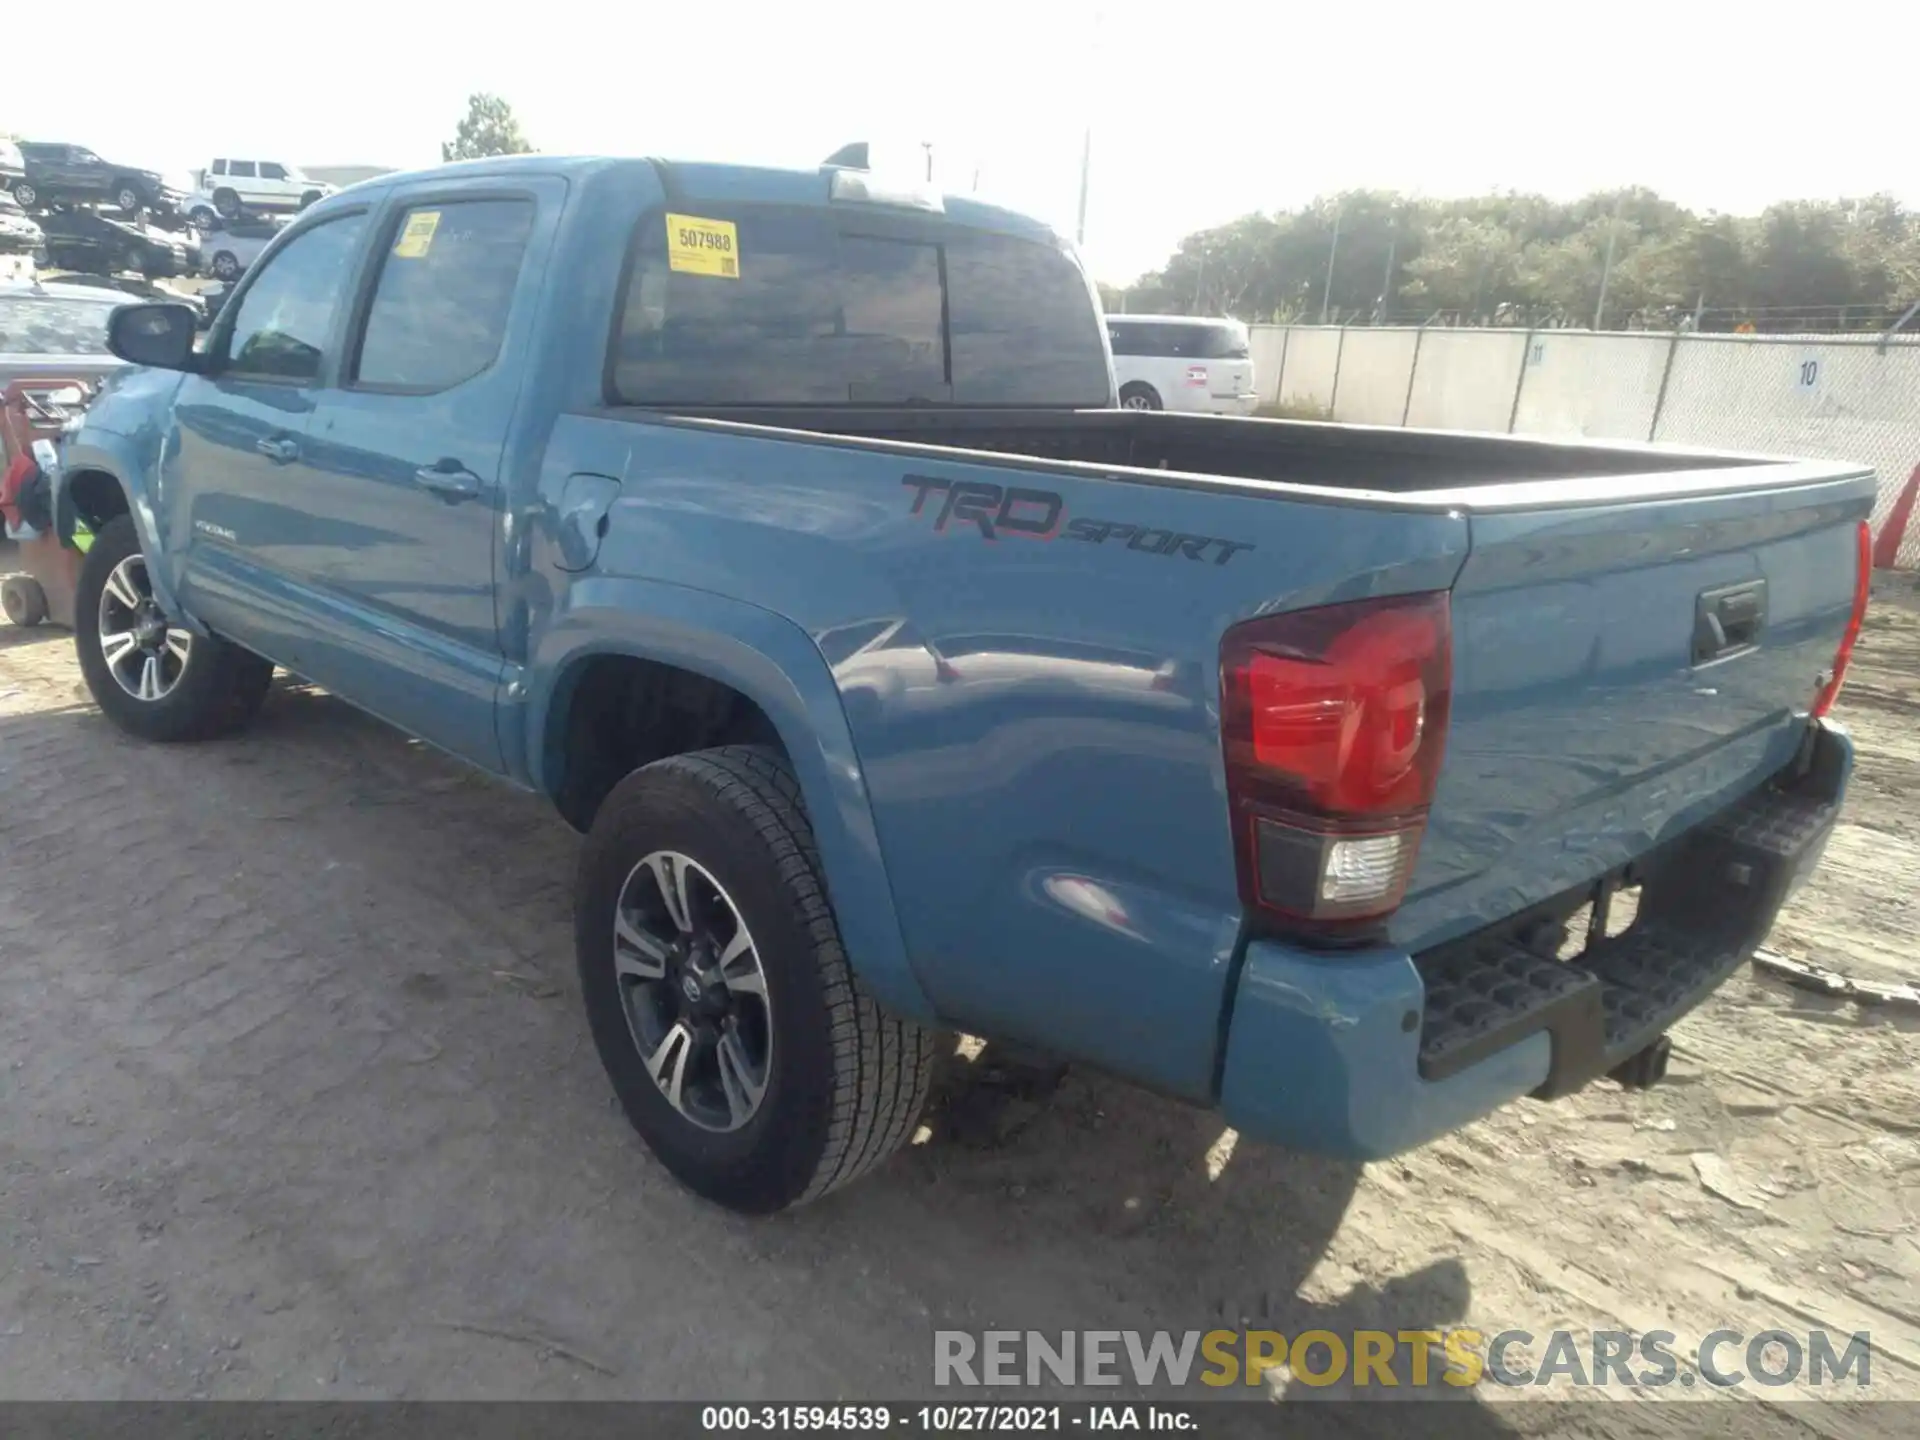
point(452, 485)
point(1728, 620)
point(280, 451)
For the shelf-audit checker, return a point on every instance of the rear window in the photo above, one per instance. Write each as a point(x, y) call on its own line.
point(54, 326)
point(1217, 341)
point(809, 309)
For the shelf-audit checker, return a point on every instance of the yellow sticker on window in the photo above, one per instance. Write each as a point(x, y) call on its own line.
point(417, 238)
point(703, 247)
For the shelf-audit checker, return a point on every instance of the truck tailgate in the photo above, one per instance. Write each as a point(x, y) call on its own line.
point(1622, 668)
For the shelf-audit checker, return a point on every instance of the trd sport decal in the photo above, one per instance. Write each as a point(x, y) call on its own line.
point(1042, 515)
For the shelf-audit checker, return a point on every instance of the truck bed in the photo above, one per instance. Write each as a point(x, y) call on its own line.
point(1425, 466)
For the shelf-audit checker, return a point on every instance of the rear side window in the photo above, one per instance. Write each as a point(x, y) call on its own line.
point(242, 169)
point(53, 327)
point(1222, 341)
point(814, 312)
point(446, 286)
point(287, 313)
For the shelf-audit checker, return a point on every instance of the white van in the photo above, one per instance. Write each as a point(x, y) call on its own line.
point(1182, 362)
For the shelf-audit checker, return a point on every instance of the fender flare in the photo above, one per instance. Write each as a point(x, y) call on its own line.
point(774, 663)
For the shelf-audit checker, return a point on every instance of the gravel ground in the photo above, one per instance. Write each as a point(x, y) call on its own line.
point(297, 1102)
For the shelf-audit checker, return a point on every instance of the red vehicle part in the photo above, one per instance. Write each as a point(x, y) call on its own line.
point(31, 409)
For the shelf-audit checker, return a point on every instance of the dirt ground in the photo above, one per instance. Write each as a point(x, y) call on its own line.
point(296, 1101)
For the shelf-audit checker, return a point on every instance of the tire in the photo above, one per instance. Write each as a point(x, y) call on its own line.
point(216, 687)
point(227, 203)
point(203, 217)
point(25, 194)
point(311, 197)
point(1138, 396)
point(225, 266)
point(842, 1082)
point(24, 602)
point(128, 197)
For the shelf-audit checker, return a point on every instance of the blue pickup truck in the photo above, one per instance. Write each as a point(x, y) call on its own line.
point(782, 528)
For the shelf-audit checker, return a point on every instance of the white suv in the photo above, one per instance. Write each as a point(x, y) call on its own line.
point(1182, 362)
point(234, 185)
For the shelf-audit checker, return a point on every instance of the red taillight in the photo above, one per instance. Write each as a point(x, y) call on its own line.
point(1196, 374)
point(1334, 720)
point(1862, 585)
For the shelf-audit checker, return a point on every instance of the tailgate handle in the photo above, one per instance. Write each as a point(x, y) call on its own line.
point(1727, 620)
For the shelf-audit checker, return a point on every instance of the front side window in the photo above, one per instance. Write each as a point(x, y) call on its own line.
point(446, 286)
point(271, 171)
point(812, 313)
point(50, 326)
point(280, 330)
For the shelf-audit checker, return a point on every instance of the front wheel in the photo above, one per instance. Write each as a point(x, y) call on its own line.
point(149, 676)
point(227, 203)
point(739, 1042)
point(25, 194)
point(225, 266)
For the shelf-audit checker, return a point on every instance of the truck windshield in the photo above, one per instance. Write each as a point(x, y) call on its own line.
point(814, 312)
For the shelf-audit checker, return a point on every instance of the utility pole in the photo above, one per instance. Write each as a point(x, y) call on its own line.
point(927, 145)
point(1333, 250)
point(1606, 270)
point(1386, 283)
point(1086, 168)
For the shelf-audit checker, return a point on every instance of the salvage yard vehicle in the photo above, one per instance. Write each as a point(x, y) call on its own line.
point(235, 186)
point(62, 174)
point(101, 245)
point(784, 530)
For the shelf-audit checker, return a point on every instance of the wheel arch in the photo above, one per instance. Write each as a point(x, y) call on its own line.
point(98, 482)
point(764, 681)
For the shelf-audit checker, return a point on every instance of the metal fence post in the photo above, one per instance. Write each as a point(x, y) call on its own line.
point(1339, 351)
point(1660, 397)
point(1280, 379)
point(1412, 371)
point(1520, 382)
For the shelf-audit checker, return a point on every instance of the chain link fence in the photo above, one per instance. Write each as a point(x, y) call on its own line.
point(1820, 397)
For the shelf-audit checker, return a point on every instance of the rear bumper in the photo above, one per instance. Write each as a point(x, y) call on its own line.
point(1370, 1053)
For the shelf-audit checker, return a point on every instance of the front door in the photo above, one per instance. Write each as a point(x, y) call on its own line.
point(409, 448)
point(239, 519)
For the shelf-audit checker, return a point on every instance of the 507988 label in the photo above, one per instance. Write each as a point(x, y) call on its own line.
point(703, 247)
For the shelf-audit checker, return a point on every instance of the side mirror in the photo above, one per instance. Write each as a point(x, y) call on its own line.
point(159, 335)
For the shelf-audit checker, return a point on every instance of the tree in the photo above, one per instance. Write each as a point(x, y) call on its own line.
point(1529, 260)
point(490, 128)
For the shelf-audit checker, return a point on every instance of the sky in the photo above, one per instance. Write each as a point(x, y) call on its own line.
point(1198, 113)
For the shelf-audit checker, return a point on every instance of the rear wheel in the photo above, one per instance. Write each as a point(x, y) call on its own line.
point(25, 194)
point(1138, 396)
point(149, 676)
point(127, 197)
point(225, 266)
point(738, 1040)
point(227, 203)
point(309, 198)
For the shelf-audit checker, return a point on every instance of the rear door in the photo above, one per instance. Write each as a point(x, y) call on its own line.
point(405, 454)
point(1224, 350)
point(1623, 668)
